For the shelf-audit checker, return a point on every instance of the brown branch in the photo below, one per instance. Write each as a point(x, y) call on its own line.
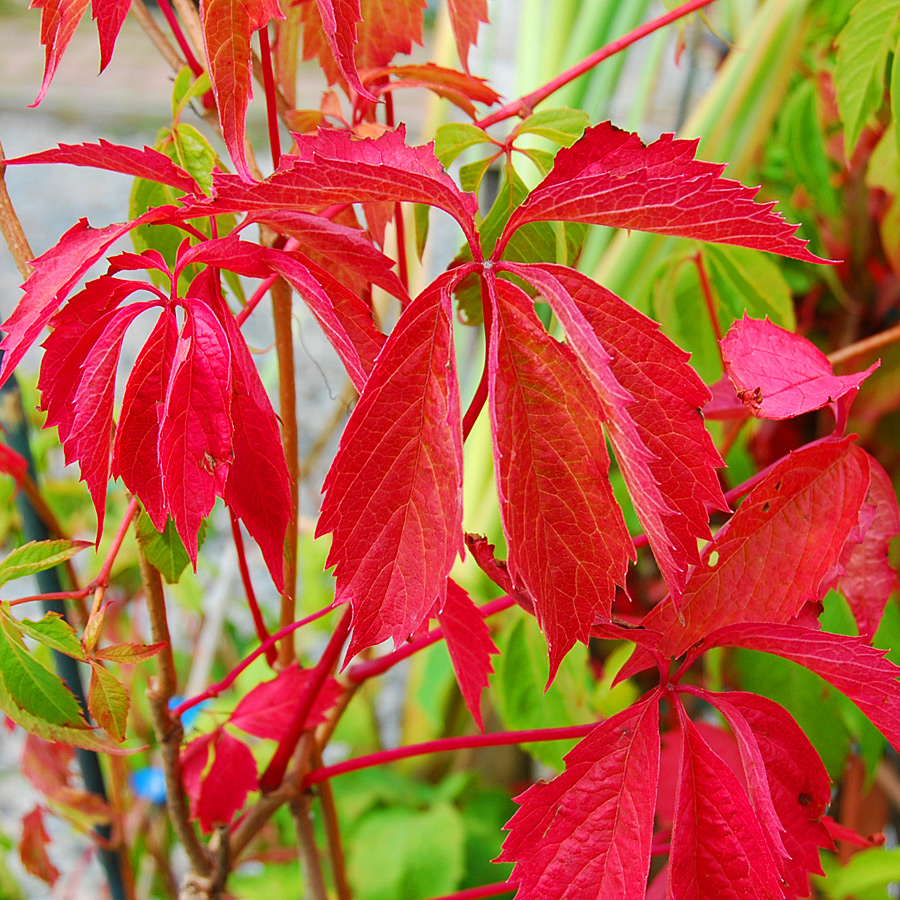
point(11, 227)
point(865, 346)
point(190, 18)
point(157, 36)
point(312, 862)
point(332, 833)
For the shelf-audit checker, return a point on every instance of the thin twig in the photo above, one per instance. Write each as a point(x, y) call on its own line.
point(348, 395)
point(332, 832)
point(157, 35)
point(312, 862)
point(865, 346)
point(11, 227)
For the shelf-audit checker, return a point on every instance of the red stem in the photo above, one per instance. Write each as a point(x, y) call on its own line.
point(524, 105)
point(263, 289)
point(261, 631)
point(443, 745)
point(175, 25)
point(710, 304)
point(372, 667)
point(402, 264)
point(274, 774)
point(215, 689)
point(265, 55)
point(103, 578)
point(58, 595)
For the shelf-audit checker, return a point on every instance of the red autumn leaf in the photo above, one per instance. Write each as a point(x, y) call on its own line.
point(266, 710)
point(230, 252)
point(346, 252)
point(465, 16)
point(33, 848)
point(227, 28)
point(195, 448)
point(852, 666)
point(333, 167)
point(587, 834)
point(56, 272)
point(609, 177)
point(773, 555)
point(394, 492)
point(568, 545)
point(651, 400)
point(136, 449)
point(218, 790)
point(258, 488)
point(12, 463)
point(109, 16)
point(459, 88)
point(344, 317)
point(470, 645)
point(868, 577)
point(146, 163)
point(778, 374)
point(797, 781)
point(339, 19)
point(47, 764)
point(81, 402)
point(718, 848)
point(59, 19)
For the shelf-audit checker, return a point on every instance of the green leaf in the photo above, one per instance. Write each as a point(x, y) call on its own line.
point(165, 551)
point(453, 138)
point(562, 126)
point(129, 653)
point(55, 632)
point(863, 47)
point(407, 853)
point(36, 556)
point(472, 174)
point(194, 153)
point(421, 213)
point(870, 869)
point(186, 87)
point(32, 686)
point(108, 702)
point(895, 97)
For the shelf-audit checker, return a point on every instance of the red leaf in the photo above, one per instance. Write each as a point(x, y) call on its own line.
point(852, 666)
point(465, 16)
point(136, 451)
point(718, 848)
point(59, 19)
point(339, 20)
point(868, 577)
point(47, 764)
point(11, 463)
point(227, 29)
point(568, 545)
point(651, 400)
point(798, 783)
point(146, 163)
point(394, 492)
point(109, 16)
point(195, 435)
point(33, 848)
point(333, 167)
point(586, 835)
point(459, 88)
point(266, 711)
point(219, 790)
point(346, 320)
point(470, 645)
point(778, 374)
point(609, 177)
point(773, 555)
point(258, 487)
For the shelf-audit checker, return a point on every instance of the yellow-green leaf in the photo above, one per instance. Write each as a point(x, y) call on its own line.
point(108, 702)
point(37, 556)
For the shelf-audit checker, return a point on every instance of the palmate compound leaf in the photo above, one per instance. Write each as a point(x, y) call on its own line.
point(393, 496)
point(778, 374)
point(586, 835)
point(568, 544)
point(650, 400)
point(774, 554)
point(227, 29)
point(610, 177)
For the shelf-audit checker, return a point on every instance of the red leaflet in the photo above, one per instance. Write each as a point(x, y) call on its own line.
point(465, 16)
point(394, 492)
point(459, 88)
point(609, 177)
point(109, 16)
point(265, 712)
point(58, 21)
point(195, 438)
point(852, 666)
point(718, 849)
point(33, 847)
point(219, 790)
point(334, 167)
point(778, 374)
point(146, 163)
point(11, 463)
point(230, 252)
point(772, 556)
point(136, 450)
point(586, 835)
point(339, 20)
point(651, 399)
point(227, 28)
point(868, 578)
point(568, 545)
point(470, 645)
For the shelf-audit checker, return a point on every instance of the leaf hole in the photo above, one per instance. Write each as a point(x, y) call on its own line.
point(712, 559)
point(778, 485)
point(767, 506)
